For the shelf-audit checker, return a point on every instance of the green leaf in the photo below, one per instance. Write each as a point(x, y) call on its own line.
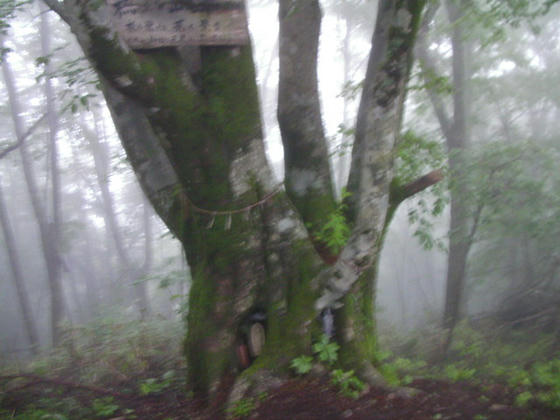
point(302, 364)
point(325, 350)
point(43, 60)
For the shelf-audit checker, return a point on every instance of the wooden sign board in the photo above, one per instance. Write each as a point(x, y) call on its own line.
point(162, 23)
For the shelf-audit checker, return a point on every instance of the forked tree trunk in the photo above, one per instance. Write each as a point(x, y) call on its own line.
point(190, 123)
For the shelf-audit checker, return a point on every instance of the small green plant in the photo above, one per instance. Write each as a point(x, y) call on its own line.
point(523, 399)
point(518, 377)
point(129, 413)
point(302, 364)
point(348, 383)
point(547, 375)
point(401, 370)
point(153, 386)
point(105, 407)
point(459, 374)
point(334, 234)
point(242, 408)
point(326, 351)
point(383, 355)
point(483, 399)
point(32, 414)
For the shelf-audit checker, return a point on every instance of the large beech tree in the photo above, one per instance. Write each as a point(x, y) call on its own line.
point(190, 122)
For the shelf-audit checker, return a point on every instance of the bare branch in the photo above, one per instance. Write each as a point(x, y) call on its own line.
point(20, 141)
point(421, 183)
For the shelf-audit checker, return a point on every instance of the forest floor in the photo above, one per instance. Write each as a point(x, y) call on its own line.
point(303, 398)
point(115, 369)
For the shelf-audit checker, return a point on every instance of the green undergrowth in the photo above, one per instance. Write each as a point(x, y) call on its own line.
point(326, 353)
point(109, 349)
point(124, 357)
point(528, 363)
point(245, 406)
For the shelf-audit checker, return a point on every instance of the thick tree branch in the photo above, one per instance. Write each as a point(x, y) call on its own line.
point(153, 168)
point(379, 120)
point(306, 158)
point(401, 193)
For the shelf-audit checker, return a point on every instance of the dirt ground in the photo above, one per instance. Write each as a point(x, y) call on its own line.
point(307, 399)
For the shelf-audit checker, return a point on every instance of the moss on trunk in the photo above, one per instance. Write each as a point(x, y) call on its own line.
point(356, 329)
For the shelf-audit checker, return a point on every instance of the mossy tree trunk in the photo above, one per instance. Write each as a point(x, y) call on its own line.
point(189, 120)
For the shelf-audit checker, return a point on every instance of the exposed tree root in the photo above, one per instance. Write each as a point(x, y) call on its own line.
point(371, 376)
point(250, 385)
point(368, 373)
point(36, 379)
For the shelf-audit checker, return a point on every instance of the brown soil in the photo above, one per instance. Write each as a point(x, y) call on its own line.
point(309, 399)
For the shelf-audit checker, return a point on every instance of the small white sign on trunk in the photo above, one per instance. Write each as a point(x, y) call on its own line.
point(163, 23)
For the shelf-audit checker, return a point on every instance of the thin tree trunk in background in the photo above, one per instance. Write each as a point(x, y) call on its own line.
point(132, 276)
point(81, 269)
point(459, 243)
point(77, 313)
point(87, 267)
point(110, 275)
point(140, 286)
point(101, 159)
point(455, 132)
point(19, 281)
point(57, 308)
point(83, 260)
point(48, 247)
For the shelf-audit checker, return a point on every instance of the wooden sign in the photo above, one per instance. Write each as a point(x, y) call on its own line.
point(162, 23)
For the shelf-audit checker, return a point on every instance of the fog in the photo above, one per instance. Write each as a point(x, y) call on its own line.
point(117, 259)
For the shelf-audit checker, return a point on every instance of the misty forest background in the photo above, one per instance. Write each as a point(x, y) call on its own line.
point(71, 207)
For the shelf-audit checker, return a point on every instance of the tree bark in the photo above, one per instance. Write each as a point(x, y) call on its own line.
point(306, 163)
point(193, 137)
